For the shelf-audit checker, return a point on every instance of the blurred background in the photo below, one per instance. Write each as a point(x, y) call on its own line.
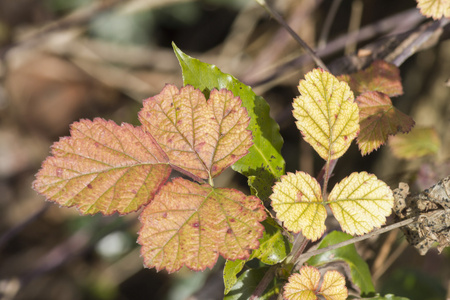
point(65, 60)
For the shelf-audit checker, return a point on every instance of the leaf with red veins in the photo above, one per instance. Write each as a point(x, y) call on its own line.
point(379, 119)
point(201, 137)
point(103, 167)
point(188, 224)
point(380, 76)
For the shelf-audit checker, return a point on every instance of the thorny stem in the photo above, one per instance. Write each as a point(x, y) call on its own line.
point(302, 43)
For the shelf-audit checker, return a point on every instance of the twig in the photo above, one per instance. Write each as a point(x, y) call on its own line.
point(302, 43)
point(262, 285)
point(359, 238)
point(353, 26)
point(328, 21)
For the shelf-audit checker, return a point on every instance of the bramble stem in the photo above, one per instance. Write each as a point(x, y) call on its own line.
point(298, 39)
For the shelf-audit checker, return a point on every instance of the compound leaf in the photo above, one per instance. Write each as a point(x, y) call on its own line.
point(263, 165)
point(191, 224)
point(304, 285)
point(359, 269)
point(417, 143)
point(326, 113)
point(103, 167)
point(379, 119)
point(435, 9)
point(297, 200)
point(361, 202)
point(380, 76)
point(201, 137)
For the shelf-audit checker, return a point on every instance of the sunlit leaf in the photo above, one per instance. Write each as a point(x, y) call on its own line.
point(191, 224)
point(230, 271)
point(264, 164)
point(379, 119)
point(435, 9)
point(380, 76)
point(103, 167)
point(333, 286)
point(298, 202)
point(326, 113)
point(361, 202)
point(199, 136)
point(303, 285)
point(359, 270)
point(417, 143)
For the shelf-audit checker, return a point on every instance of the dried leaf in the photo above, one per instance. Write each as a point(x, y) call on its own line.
point(417, 143)
point(305, 285)
point(432, 208)
point(380, 76)
point(199, 136)
point(297, 200)
point(435, 9)
point(361, 202)
point(326, 114)
point(103, 167)
point(379, 119)
point(191, 224)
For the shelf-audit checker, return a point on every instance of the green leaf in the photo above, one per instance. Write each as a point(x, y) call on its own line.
point(191, 224)
point(419, 142)
point(359, 269)
point(264, 163)
point(274, 247)
point(247, 283)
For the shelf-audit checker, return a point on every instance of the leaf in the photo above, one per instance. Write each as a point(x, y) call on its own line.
point(203, 138)
point(305, 285)
point(359, 269)
point(333, 286)
point(379, 119)
point(435, 9)
point(417, 143)
point(361, 202)
point(230, 271)
point(326, 114)
point(264, 163)
point(191, 224)
point(380, 76)
point(247, 283)
point(297, 200)
point(103, 167)
point(274, 247)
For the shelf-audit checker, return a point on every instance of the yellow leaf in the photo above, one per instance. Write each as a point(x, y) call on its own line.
point(302, 286)
point(297, 200)
point(326, 113)
point(361, 202)
point(333, 286)
point(435, 9)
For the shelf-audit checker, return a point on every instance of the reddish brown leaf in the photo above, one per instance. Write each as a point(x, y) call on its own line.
point(380, 76)
point(191, 224)
point(103, 167)
point(379, 119)
point(199, 136)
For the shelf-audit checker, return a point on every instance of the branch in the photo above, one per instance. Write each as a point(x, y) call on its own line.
point(359, 238)
point(302, 43)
